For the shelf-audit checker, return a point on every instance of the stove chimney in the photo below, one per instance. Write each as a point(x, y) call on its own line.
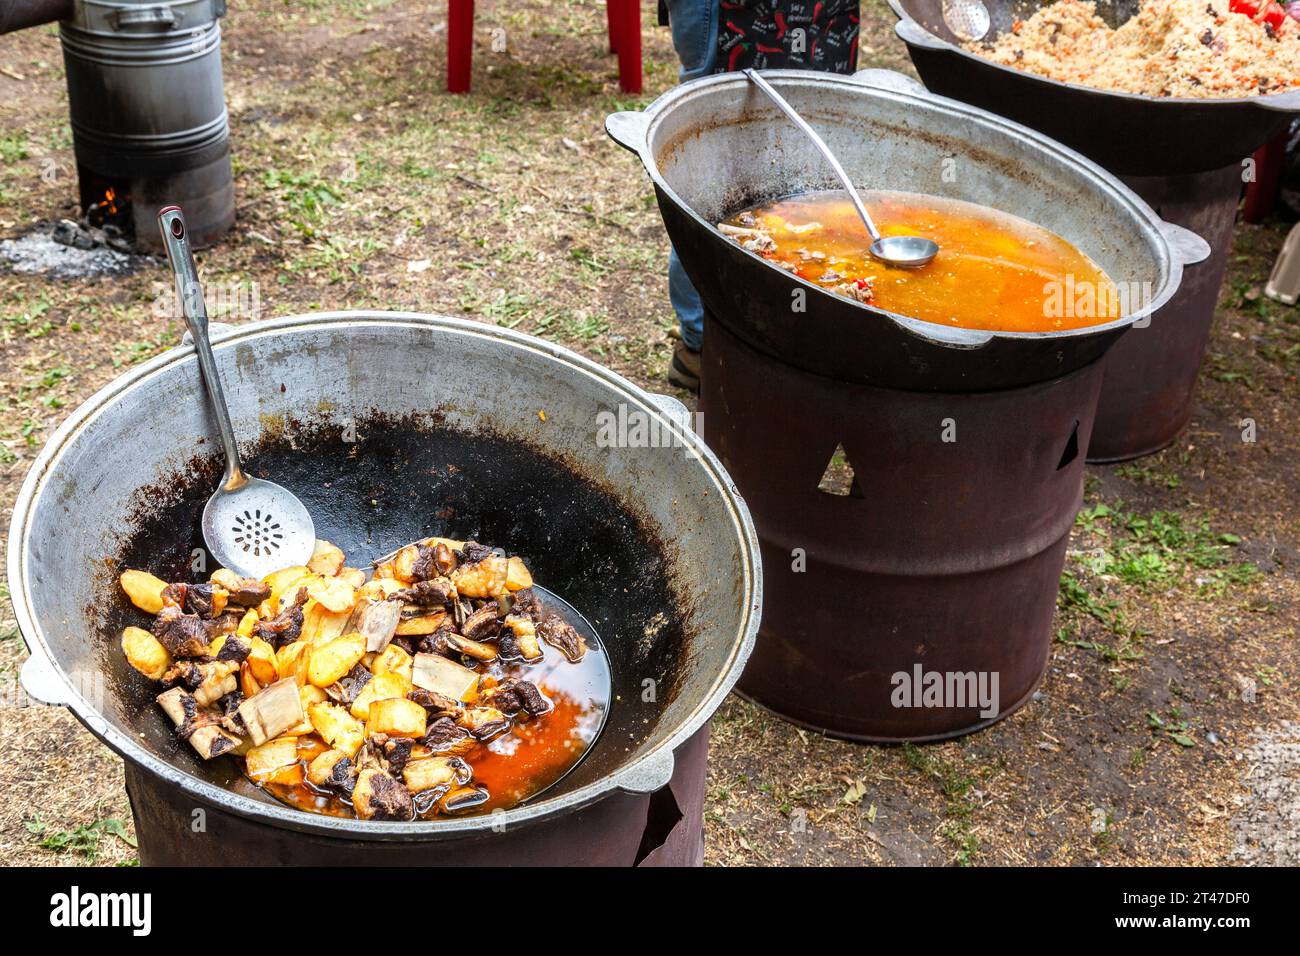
point(21, 14)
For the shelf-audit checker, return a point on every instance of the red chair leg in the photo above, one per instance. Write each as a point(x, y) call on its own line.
point(1261, 195)
point(460, 44)
point(626, 32)
point(611, 26)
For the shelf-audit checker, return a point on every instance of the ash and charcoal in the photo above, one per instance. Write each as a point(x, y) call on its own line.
point(70, 250)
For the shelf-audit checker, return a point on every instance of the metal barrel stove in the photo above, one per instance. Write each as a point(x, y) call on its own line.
point(148, 114)
point(1183, 156)
point(966, 447)
point(389, 427)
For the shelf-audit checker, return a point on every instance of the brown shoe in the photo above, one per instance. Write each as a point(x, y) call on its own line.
point(684, 369)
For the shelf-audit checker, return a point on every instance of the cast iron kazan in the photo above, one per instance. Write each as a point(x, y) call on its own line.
point(966, 449)
point(717, 145)
point(392, 426)
point(1183, 156)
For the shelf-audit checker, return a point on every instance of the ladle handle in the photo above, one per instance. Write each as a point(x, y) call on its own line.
point(822, 148)
point(171, 223)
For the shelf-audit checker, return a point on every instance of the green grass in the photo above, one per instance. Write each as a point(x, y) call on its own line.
point(83, 840)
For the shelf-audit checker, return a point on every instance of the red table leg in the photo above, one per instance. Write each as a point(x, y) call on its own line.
point(611, 26)
point(1261, 195)
point(626, 34)
point(460, 44)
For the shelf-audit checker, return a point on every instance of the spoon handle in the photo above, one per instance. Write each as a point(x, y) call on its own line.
point(822, 148)
point(171, 223)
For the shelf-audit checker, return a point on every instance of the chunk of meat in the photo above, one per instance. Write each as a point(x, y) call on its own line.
point(244, 592)
point(182, 634)
point(173, 595)
point(561, 635)
point(352, 684)
point(424, 567)
point(445, 736)
point(285, 627)
point(206, 600)
point(234, 649)
point(377, 796)
point(218, 678)
point(444, 559)
point(513, 695)
point(524, 602)
point(182, 674)
point(472, 551)
point(436, 593)
point(200, 728)
point(484, 723)
point(435, 702)
point(436, 643)
point(483, 624)
point(396, 752)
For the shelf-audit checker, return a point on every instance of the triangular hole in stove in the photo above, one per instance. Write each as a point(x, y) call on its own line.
point(838, 477)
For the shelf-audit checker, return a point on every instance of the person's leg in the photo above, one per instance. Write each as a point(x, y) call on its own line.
point(694, 26)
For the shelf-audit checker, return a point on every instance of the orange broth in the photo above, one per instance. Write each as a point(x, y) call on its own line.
point(994, 271)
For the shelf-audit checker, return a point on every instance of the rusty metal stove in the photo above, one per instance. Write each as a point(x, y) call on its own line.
point(148, 112)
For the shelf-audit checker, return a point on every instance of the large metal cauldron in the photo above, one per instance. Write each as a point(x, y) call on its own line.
point(1183, 156)
point(716, 145)
point(392, 426)
point(966, 448)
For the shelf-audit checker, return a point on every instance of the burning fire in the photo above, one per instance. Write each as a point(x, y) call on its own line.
point(109, 203)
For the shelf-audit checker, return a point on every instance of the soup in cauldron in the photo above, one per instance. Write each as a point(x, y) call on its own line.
point(994, 271)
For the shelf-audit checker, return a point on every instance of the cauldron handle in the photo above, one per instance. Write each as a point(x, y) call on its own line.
point(890, 80)
point(1288, 102)
point(913, 34)
point(40, 680)
point(649, 774)
point(628, 129)
point(1186, 246)
point(955, 337)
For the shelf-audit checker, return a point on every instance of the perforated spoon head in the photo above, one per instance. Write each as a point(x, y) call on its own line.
point(969, 20)
point(250, 525)
point(258, 528)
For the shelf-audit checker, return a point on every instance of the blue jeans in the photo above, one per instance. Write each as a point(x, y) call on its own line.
point(694, 26)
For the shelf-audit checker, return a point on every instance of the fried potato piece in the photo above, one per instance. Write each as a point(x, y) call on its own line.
point(397, 717)
point(145, 652)
point(393, 660)
point(326, 559)
point(518, 576)
point(482, 579)
point(144, 590)
point(339, 729)
point(331, 661)
point(273, 761)
point(379, 687)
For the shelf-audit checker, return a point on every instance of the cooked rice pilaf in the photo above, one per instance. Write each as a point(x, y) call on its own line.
point(1180, 48)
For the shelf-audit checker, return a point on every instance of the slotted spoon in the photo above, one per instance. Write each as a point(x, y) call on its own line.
point(967, 19)
point(250, 525)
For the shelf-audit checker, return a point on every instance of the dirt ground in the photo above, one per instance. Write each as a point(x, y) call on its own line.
point(1165, 729)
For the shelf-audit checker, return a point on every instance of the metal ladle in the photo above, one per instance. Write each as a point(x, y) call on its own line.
point(907, 252)
point(250, 525)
